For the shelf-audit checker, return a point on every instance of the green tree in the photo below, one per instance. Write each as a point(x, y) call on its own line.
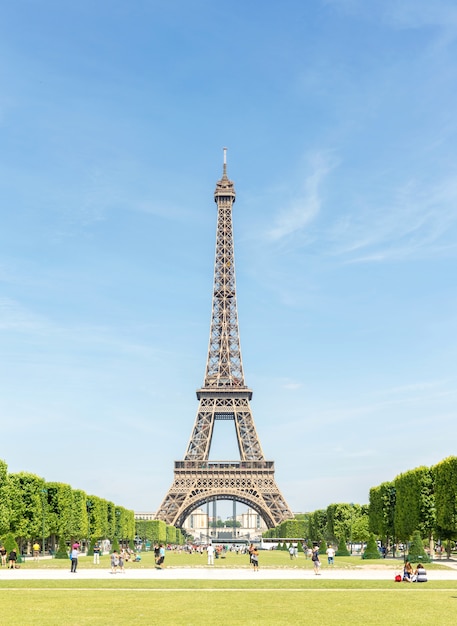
point(360, 530)
point(340, 520)
point(415, 503)
point(322, 547)
point(62, 550)
point(111, 520)
point(27, 506)
point(79, 525)
point(125, 525)
point(97, 509)
point(59, 510)
point(9, 543)
point(293, 529)
point(317, 525)
point(445, 484)
point(381, 511)
point(171, 534)
point(5, 500)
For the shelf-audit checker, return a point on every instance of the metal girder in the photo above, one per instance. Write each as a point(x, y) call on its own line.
point(196, 483)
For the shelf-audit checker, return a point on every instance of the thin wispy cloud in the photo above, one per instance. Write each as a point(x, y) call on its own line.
point(304, 207)
point(14, 317)
point(404, 14)
point(420, 222)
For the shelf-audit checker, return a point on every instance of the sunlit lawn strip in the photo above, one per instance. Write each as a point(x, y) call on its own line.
point(398, 605)
point(181, 584)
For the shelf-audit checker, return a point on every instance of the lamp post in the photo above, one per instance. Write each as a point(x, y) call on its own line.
point(43, 492)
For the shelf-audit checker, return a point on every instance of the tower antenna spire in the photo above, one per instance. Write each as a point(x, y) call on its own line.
point(225, 162)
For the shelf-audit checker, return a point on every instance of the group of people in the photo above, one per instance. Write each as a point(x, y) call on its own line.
point(159, 555)
point(411, 575)
point(117, 562)
point(10, 558)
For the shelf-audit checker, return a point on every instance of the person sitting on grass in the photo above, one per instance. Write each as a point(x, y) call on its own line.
point(420, 575)
point(408, 572)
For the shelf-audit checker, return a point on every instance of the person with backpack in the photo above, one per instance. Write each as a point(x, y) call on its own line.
point(315, 560)
point(74, 558)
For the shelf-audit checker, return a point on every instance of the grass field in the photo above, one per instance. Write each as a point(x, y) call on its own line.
point(119, 601)
point(77, 603)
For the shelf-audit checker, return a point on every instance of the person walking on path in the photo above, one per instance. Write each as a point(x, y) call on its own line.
point(36, 551)
point(255, 559)
point(96, 554)
point(315, 560)
point(114, 562)
point(74, 558)
point(330, 555)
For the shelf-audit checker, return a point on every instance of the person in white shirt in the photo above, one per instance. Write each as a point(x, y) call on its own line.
point(330, 555)
point(210, 552)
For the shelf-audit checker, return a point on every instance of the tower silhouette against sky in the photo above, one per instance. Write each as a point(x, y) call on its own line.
point(224, 396)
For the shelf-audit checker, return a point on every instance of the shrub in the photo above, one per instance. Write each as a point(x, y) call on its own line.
point(90, 551)
point(342, 548)
point(416, 550)
point(371, 551)
point(62, 551)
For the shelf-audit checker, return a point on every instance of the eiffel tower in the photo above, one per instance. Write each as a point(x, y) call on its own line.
point(224, 396)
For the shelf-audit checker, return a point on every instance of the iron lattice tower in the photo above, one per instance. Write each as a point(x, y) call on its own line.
point(224, 396)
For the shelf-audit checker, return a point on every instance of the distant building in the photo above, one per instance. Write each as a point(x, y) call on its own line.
point(144, 516)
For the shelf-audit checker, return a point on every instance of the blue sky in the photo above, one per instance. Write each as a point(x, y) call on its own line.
point(339, 118)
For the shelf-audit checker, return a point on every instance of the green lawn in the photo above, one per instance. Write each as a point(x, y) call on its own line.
point(118, 602)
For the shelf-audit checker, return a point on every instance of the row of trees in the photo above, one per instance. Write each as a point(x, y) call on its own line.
point(33, 509)
point(156, 531)
point(423, 499)
point(347, 522)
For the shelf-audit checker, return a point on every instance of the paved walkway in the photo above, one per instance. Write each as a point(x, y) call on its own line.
point(208, 573)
